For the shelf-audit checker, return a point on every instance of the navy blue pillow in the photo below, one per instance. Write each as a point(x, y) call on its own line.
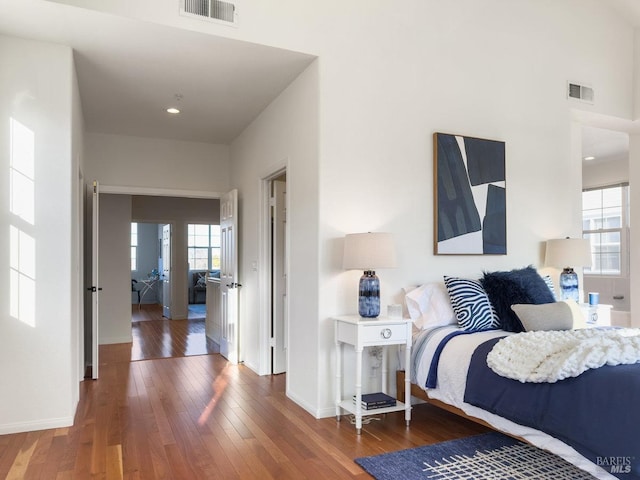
point(516, 286)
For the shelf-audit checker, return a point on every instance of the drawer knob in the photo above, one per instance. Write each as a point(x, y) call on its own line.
point(386, 333)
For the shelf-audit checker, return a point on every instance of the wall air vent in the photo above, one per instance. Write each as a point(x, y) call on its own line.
point(580, 92)
point(210, 9)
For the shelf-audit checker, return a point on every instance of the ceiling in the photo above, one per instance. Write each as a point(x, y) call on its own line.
point(130, 71)
point(604, 145)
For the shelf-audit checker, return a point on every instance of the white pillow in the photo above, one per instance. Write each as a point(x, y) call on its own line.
point(429, 306)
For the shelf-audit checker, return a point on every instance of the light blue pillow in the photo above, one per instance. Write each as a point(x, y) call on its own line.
point(471, 304)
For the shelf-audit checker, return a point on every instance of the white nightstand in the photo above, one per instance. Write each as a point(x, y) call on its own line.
point(364, 332)
point(596, 315)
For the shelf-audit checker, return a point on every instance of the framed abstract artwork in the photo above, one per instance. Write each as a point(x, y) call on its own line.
point(470, 196)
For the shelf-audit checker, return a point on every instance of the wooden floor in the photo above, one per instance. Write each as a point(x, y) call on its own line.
point(156, 337)
point(198, 417)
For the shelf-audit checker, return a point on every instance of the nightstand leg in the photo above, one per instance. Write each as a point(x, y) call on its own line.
point(338, 379)
point(384, 370)
point(407, 378)
point(359, 391)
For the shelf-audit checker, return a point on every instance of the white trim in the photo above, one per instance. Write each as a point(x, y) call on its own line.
point(32, 426)
point(264, 272)
point(157, 192)
point(111, 340)
point(317, 413)
point(264, 266)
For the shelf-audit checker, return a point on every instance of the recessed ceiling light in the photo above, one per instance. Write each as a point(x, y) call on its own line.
point(589, 158)
point(173, 110)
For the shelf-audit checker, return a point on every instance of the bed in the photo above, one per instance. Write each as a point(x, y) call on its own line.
point(601, 406)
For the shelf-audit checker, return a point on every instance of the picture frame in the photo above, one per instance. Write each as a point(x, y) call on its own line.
point(470, 216)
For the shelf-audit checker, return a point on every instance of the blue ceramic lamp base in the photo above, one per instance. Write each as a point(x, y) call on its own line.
point(369, 295)
point(569, 285)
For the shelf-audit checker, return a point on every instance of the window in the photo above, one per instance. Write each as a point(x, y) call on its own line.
point(203, 244)
point(605, 223)
point(134, 246)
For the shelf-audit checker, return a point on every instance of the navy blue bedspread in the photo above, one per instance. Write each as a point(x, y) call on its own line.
point(597, 413)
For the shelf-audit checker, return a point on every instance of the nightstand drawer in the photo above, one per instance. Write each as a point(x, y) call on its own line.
point(379, 334)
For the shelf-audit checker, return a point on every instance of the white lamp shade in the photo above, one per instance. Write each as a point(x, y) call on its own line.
point(369, 251)
point(568, 252)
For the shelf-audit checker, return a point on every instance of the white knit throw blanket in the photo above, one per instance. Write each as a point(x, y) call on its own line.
point(555, 355)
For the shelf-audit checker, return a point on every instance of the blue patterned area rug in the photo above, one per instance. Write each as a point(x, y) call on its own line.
point(489, 456)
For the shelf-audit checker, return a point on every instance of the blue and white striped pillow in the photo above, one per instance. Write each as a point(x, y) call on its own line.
point(548, 280)
point(471, 304)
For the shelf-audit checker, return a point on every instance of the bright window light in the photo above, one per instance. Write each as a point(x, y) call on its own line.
point(22, 245)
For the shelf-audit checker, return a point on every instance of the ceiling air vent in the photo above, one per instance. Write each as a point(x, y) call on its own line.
point(580, 92)
point(210, 9)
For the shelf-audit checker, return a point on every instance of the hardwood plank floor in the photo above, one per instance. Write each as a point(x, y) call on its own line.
point(156, 337)
point(198, 417)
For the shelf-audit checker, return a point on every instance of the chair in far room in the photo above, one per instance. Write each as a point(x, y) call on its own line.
point(134, 288)
point(198, 287)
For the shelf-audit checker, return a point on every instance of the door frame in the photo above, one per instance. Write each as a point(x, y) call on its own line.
point(264, 265)
point(146, 191)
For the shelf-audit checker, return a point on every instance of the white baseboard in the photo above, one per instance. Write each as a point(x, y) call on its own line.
point(111, 340)
point(36, 425)
point(317, 413)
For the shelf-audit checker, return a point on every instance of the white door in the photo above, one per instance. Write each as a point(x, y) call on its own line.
point(166, 271)
point(279, 278)
point(229, 275)
point(95, 279)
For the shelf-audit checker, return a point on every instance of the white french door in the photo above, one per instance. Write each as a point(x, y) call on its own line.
point(229, 275)
point(95, 278)
point(279, 278)
point(166, 271)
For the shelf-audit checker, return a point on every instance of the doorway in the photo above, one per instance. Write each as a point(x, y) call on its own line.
point(605, 220)
point(118, 209)
point(276, 266)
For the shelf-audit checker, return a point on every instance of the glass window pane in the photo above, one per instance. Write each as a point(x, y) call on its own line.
point(591, 199)
point(611, 197)
point(606, 209)
point(134, 260)
point(215, 235)
point(215, 258)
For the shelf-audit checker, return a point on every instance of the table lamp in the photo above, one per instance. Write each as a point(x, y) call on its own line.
point(368, 252)
point(568, 251)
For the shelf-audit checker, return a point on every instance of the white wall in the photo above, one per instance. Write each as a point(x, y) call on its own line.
point(114, 269)
point(77, 218)
point(118, 160)
point(37, 89)
point(285, 134)
point(634, 242)
point(388, 79)
point(160, 165)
